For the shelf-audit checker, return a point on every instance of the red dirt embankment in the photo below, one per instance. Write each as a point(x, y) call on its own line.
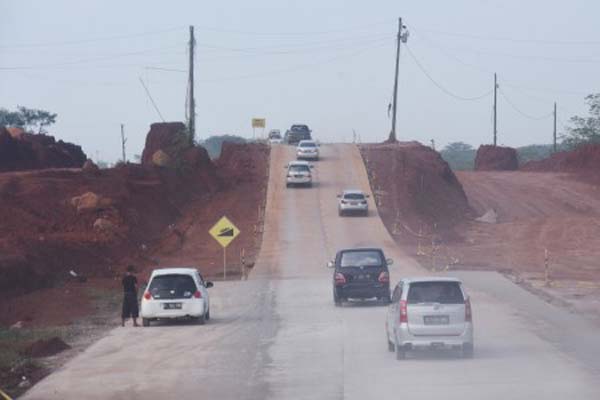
point(585, 158)
point(25, 151)
point(94, 222)
point(417, 192)
point(496, 158)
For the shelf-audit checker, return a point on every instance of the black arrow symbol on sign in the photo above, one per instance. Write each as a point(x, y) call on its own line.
point(226, 232)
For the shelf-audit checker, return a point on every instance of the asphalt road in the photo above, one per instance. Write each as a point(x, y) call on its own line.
point(279, 336)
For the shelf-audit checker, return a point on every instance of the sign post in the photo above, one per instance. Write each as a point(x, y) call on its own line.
point(224, 232)
point(258, 123)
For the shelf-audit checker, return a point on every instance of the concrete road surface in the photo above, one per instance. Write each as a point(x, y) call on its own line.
point(279, 336)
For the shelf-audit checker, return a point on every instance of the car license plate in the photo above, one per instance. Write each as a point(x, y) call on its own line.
point(353, 203)
point(363, 277)
point(436, 320)
point(172, 306)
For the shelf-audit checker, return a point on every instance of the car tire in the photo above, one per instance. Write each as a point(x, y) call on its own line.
point(340, 213)
point(391, 346)
point(467, 350)
point(201, 319)
point(309, 184)
point(207, 315)
point(336, 300)
point(400, 351)
point(145, 322)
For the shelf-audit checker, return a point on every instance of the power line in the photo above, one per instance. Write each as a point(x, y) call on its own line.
point(91, 40)
point(151, 99)
point(514, 40)
point(439, 86)
point(524, 114)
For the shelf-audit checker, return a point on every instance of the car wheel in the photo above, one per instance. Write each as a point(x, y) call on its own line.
point(340, 213)
point(468, 350)
point(201, 320)
point(145, 322)
point(336, 300)
point(207, 315)
point(400, 351)
point(309, 184)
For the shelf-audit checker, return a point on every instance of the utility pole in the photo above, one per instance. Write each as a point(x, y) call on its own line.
point(554, 131)
point(402, 37)
point(123, 141)
point(495, 109)
point(191, 100)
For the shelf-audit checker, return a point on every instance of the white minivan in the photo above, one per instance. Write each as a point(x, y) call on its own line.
point(174, 293)
point(429, 312)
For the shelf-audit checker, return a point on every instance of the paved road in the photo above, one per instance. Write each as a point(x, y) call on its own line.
point(278, 335)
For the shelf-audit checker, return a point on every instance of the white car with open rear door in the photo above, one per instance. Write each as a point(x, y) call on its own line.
point(176, 293)
point(429, 312)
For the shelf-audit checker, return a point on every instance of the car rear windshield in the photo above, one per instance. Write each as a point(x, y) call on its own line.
point(172, 286)
point(354, 196)
point(299, 168)
point(308, 144)
point(366, 258)
point(435, 292)
point(299, 128)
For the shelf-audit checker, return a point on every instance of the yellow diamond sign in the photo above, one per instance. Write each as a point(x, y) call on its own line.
point(224, 231)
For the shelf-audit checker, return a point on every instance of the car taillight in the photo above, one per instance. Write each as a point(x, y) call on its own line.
point(403, 311)
point(468, 313)
point(147, 296)
point(343, 201)
point(364, 202)
point(384, 277)
point(339, 278)
point(197, 294)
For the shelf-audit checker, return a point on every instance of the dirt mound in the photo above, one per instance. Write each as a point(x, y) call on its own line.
point(585, 158)
point(496, 158)
point(45, 347)
point(25, 151)
point(238, 161)
point(415, 188)
point(166, 136)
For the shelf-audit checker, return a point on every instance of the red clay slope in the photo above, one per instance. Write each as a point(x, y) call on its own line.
point(416, 189)
point(496, 158)
point(585, 158)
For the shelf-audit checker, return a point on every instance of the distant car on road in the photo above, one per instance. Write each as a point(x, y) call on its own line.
point(360, 273)
point(175, 293)
point(298, 174)
point(275, 136)
point(296, 133)
point(429, 312)
point(353, 202)
point(307, 150)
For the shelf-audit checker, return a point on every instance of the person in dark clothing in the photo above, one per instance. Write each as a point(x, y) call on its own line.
point(130, 301)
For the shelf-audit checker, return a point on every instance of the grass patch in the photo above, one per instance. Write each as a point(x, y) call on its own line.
point(13, 341)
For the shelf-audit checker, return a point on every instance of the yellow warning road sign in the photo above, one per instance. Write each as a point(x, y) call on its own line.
point(258, 122)
point(224, 231)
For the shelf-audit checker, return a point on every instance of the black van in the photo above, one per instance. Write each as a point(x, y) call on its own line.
point(361, 274)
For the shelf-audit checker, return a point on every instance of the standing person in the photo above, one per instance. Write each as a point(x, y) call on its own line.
point(130, 301)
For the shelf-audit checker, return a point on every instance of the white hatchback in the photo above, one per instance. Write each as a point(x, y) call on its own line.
point(174, 293)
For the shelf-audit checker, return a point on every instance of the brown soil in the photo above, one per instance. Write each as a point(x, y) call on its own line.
point(584, 159)
point(25, 151)
point(45, 347)
point(416, 191)
point(496, 158)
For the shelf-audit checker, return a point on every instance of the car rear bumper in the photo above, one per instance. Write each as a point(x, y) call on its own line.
point(405, 338)
point(155, 309)
point(362, 292)
point(360, 208)
point(298, 181)
point(309, 156)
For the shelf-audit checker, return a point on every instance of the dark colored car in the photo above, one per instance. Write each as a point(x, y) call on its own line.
point(297, 133)
point(360, 274)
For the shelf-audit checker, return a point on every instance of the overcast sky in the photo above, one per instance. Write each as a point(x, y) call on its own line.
point(329, 64)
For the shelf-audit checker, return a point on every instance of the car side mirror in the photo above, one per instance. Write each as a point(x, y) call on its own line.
point(285, 167)
point(330, 264)
point(339, 196)
point(312, 166)
point(209, 284)
point(389, 261)
point(367, 196)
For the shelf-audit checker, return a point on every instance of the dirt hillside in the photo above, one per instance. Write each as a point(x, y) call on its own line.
point(584, 159)
point(416, 190)
point(21, 151)
point(496, 158)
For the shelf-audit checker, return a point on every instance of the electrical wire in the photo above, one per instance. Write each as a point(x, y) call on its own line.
point(151, 99)
point(441, 87)
point(524, 114)
point(92, 40)
point(513, 40)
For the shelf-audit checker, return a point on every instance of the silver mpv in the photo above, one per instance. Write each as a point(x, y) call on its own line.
point(429, 312)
